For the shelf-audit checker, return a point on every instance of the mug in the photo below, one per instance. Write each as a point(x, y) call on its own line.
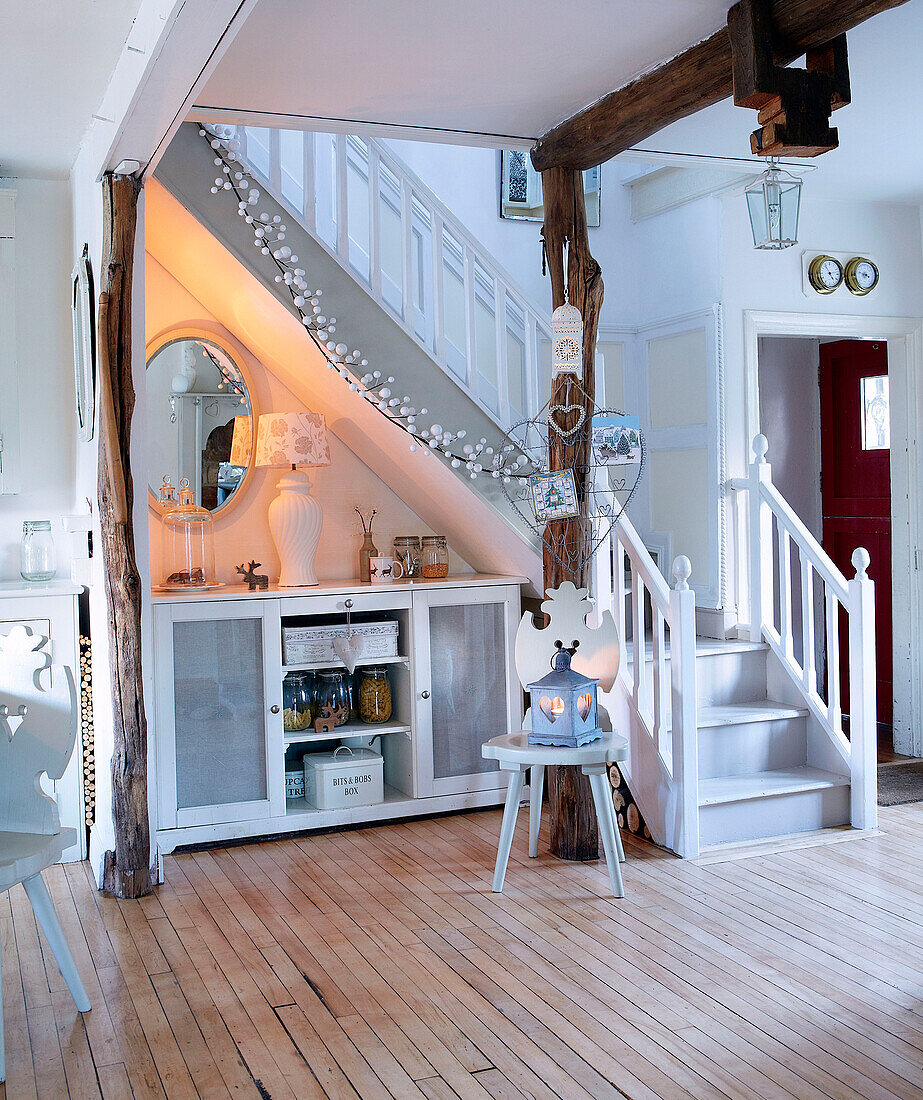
point(381, 569)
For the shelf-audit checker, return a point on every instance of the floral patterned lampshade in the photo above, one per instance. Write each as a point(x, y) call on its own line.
point(241, 441)
point(292, 439)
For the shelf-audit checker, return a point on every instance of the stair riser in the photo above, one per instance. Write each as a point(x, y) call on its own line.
point(761, 817)
point(722, 678)
point(752, 747)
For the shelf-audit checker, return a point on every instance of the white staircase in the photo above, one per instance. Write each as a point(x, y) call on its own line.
point(743, 739)
point(729, 740)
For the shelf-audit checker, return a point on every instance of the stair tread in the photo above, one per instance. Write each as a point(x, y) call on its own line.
point(734, 714)
point(704, 647)
point(740, 788)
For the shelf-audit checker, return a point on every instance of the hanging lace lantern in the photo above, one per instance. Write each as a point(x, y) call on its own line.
point(566, 340)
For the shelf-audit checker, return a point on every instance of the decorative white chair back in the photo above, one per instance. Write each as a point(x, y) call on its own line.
point(38, 725)
point(597, 655)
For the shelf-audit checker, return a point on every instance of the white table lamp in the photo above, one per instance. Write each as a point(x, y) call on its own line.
point(286, 441)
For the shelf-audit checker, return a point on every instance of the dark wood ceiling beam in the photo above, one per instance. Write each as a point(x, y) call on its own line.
point(697, 78)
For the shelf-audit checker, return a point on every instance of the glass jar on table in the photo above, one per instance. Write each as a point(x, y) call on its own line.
point(407, 552)
point(434, 558)
point(36, 551)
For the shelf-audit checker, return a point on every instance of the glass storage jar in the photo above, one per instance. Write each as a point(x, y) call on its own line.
point(434, 557)
point(188, 542)
point(375, 696)
point(407, 552)
point(333, 696)
point(36, 551)
point(296, 702)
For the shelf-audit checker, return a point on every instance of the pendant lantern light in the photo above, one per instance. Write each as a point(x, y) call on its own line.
point(774, 201)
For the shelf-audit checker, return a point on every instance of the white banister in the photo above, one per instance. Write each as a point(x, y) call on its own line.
point(863, 727)
point(819, 578)
point(657, 687)
point(326, 201)
point(685, 728)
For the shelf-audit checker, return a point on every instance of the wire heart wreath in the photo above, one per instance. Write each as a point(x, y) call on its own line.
point(607, 496)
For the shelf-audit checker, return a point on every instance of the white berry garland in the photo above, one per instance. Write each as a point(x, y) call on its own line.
point(502, 461)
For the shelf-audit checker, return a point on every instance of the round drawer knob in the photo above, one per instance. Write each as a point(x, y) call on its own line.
point(275, 709)
point(424, 694)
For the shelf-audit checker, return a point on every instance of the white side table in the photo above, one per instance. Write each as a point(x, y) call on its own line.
point(515, 755)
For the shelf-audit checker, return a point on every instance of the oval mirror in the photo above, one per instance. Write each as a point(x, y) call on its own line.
point(199, 421)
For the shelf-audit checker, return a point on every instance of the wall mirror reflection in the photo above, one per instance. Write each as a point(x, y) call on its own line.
point(521, 189)
point(199, 421)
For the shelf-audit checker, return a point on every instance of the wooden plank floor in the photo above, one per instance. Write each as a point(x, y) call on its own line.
point(377, 963)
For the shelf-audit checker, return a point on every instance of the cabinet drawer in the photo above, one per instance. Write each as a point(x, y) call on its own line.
point(391, 598)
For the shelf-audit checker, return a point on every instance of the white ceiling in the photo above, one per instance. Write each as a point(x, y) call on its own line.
point(880, 156)
point(58, 56)
point(517, 68)
point(485, 66)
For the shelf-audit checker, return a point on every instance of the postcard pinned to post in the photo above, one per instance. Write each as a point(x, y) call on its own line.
point(616, 440)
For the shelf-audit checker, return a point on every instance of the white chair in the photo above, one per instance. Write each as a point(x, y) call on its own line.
point(38, 725)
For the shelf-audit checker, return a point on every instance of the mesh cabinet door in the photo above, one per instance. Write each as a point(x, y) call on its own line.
point(219, 714)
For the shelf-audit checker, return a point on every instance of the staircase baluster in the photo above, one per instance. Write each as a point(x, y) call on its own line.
point(471, 374)
point(503, 378)
point(342, 177)
point(834, 714)
point(374, 223)
point(808, 661)
point(407, 310)
point(307, 170)
point(637, 643)
point(660, 685)
point(441, 351)
point(785, 589)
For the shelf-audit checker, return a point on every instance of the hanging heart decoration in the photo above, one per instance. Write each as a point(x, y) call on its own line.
point(605, 497)
point(350, 650)
point(565, 410)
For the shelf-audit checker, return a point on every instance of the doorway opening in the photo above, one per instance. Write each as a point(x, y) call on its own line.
point(824, 406)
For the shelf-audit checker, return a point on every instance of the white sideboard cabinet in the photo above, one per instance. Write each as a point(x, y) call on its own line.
point(218, 742)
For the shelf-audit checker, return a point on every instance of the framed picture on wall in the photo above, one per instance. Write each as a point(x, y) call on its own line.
point(82, 305)
point(521, 189)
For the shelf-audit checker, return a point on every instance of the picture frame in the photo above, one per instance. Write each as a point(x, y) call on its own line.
point(520, 189)
point(82, 307)
point(616, 440)
point(554, 496)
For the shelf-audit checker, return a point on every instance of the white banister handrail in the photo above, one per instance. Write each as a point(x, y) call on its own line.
point(452, 253)
point(657, 685)
point(818, 577)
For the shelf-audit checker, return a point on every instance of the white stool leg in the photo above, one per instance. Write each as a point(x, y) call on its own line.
point(510, 813)
point(599, 785)
point(47, 918)
point(536, 783)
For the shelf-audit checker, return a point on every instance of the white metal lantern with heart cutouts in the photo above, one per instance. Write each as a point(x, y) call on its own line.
point(566, 340)
point(563, 704)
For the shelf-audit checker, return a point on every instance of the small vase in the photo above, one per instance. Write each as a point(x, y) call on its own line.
point(366, 550)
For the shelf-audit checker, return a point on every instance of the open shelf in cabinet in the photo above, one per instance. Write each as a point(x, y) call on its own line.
point(363, 662)
point(350, 729)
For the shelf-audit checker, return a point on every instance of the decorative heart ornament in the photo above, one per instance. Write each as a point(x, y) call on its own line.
point(545, 704)
point(349, 650)
point(583, 706)
point(564, 410)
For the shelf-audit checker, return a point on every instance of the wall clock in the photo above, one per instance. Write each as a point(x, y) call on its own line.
point(861, 275)
point(825, 274)
point(84, 345)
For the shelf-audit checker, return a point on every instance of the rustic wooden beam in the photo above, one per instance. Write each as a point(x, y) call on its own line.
point(697, 78)
point(574, 833)
point(127, 870)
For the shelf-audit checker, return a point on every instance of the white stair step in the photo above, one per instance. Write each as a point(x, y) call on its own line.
point(704, 647)
point(737, 714)
point(742, 788)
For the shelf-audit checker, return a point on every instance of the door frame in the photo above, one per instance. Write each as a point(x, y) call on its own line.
point(904, 337)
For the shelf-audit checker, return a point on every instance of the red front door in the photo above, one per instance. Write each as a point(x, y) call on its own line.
point(856, 482)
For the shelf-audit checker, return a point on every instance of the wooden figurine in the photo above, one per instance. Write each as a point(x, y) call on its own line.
point(329, 718)
point(254, 580)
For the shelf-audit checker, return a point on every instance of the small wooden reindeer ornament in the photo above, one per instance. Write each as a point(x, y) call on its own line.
point(254, 580)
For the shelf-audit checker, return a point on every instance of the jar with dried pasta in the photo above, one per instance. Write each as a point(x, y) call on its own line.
point(296, 701)
point(375, 696)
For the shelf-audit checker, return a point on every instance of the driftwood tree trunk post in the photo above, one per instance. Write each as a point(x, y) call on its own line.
point(127, 871)
point(574, 833)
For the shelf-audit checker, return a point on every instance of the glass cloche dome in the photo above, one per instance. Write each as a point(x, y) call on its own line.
point(188, 540)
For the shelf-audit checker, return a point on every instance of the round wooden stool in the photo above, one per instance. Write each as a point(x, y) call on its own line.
point(515, 755)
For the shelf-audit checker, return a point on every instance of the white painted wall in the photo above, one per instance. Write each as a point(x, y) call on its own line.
point(241, 531)
point(44, 358)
